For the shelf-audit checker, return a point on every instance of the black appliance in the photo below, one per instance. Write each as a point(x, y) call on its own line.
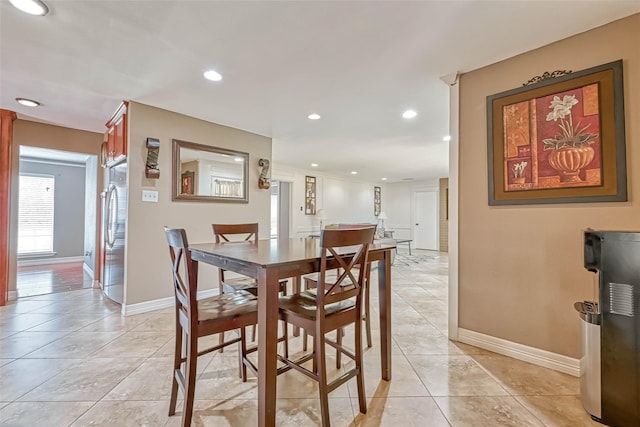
point(615, 256)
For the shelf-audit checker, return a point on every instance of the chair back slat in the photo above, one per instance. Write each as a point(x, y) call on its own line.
point(183, 274)
point(223, 232)
point(350, 248)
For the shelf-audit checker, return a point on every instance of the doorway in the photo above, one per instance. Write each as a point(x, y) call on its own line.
point(56, 202)
point(425, 232)
point(280, 209)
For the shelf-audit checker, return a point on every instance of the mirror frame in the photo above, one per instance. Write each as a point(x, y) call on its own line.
point(176, 179)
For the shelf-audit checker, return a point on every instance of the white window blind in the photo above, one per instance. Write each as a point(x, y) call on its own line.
point(35, 214)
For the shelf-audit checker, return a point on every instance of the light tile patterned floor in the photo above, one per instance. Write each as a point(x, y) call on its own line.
point(93, 367)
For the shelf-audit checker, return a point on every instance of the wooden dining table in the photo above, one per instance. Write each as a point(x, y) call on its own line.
point(269, 261)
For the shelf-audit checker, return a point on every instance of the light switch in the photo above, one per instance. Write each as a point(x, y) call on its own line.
point(149, 196)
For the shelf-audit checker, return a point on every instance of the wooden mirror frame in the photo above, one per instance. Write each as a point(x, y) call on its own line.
point(176, 180)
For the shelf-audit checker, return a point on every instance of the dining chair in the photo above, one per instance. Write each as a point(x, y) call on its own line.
point(330, 307)
point(310, 282)
point(237, 234)
point(198, 318)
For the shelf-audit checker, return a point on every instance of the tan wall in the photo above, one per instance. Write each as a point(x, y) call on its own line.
point(44, 136)
point(148, 272)
point(521, 267)
point(443, 194)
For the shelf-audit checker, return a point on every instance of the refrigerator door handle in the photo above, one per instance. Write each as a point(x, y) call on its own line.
point(112, 216)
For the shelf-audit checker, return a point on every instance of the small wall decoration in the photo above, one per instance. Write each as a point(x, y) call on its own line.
point(187, 183)
point(151, 168)
point(263, 180)
point(560, 140)
point(310, 195)
point(376, 200)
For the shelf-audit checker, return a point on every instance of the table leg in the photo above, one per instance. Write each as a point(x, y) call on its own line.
point(384, 297)
point(297, 287)
point(268, 283)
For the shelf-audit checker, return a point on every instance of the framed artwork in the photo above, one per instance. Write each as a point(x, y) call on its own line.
point(309, 195)
point(560, 140)
point(187, 183)
point(376, 200)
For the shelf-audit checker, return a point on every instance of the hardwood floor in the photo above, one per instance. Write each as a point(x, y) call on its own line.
point(51, 278)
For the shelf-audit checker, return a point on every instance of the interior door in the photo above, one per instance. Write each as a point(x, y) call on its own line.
point(425, 232)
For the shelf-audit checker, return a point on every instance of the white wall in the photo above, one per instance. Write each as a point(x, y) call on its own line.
point(400, 206)
point(344, 199)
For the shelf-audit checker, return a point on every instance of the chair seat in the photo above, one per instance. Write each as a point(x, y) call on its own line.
point(304, 304)
point(226, 306)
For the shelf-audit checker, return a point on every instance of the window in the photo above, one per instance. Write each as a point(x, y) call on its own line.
point(35, 214)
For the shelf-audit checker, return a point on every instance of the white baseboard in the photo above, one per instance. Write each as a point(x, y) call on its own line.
point(158, 304)
point(12, 295)
point(43, 261)
point(543, 358)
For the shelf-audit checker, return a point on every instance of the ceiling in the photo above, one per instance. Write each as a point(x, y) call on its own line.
point(357, 64)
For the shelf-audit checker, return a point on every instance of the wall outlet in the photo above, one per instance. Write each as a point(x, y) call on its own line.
point(149, 196)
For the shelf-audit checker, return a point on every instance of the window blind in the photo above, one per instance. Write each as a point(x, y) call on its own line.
point(35, 214)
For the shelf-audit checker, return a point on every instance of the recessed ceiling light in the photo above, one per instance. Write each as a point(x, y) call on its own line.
point(354, 172)
point(27, 102)
point(446, 138)
point(384, 179)
point(212, 75)
point(314, 116)
point(314, 165)
point(32, 7)
point(409, 114)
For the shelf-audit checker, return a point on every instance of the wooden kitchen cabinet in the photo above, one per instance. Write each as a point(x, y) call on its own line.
point(117, 135)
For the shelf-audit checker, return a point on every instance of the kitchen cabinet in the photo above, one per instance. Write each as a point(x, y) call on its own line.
point(117, 135)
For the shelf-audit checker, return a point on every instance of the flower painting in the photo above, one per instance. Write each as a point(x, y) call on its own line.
point(560, 139)
point(553, 141)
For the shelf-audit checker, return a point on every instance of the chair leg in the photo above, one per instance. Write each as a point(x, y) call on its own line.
point(321, 361)
point(304, 340)
point(253, 333)
point(177, 356)
point(190, 379)
point(285, 331)
point(367, 313)
point(362, 399)
point(243, 354)
point(339, 335)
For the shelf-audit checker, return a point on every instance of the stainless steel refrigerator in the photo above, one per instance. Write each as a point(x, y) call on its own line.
point(114, 227)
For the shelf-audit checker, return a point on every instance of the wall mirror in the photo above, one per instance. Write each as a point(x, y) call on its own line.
point(202, 173)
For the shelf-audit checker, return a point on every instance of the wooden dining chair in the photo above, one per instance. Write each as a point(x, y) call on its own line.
point(310, 282)
point(238, 234)
point(198, 318)
point(331, 307)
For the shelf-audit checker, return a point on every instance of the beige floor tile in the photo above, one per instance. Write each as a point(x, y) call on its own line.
point(485, 411)
point(558, 411)
point(400, 412)
point(68, 322)
point(25, 342)
point(426, 344)
point(454, 376)
point(74, 345)
point(158, 322)
point(114, 323)
point(23, 375)
point(134, 344)
point(4, 361)
point(30, 414)
point(220, 380)
point(131, 413)
point(522, 378)
point(405, 381)
point(22, 322)
point(90, 379)
point(21, 307)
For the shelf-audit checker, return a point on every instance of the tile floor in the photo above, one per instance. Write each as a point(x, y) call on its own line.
point(70, 359)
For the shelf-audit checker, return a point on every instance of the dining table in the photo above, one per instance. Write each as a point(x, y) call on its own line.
point(270, 260)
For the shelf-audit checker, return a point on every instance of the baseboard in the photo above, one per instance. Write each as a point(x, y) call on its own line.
point(12, 295)
point(158, 304)
point(543, 358)
point(45, 261)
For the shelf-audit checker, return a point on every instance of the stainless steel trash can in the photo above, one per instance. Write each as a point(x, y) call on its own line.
point(590, 381)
